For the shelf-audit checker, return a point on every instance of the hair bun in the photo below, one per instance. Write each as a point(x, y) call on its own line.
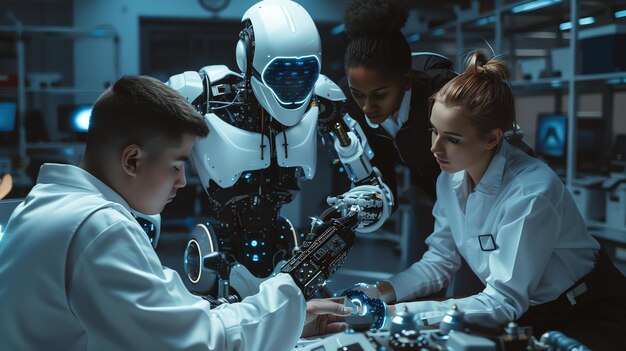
point(495, 68)
point(375, 17)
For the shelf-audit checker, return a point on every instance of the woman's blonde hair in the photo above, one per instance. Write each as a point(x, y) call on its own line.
point(483, 93)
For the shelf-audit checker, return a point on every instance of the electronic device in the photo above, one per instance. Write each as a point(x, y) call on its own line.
point(551, 141)
point(73, 121)
point(8, 130)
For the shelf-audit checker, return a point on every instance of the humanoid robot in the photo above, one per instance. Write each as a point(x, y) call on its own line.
point(263, 125)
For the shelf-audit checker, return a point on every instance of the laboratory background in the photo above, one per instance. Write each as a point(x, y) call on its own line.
point(568, 77)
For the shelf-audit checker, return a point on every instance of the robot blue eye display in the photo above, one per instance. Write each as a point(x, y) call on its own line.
point(292, 79)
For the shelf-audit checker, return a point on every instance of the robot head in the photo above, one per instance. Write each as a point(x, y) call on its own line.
point(279, 50)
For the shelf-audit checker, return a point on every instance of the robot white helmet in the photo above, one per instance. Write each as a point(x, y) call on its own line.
point(282, 49)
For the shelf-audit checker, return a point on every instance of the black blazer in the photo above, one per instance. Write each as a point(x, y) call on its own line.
point(411, 146)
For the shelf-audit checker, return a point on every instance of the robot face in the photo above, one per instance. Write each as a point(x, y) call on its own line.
point(291, 79)
point(286, 58)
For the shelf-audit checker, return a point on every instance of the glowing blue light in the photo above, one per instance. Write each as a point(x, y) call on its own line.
point(620, 14)
point(282, 236)
point(338, 29)
point(583, 22)
point(255, 258)
point(302, 235)
point(254, 243)
point(262, 243)
point(247, 175)
point(341, 169)
point(81, 119)
point(413, 38)
point(534, 5)
point(263, 253)
point(614, 81)
point(439, 32)
point(486, 20)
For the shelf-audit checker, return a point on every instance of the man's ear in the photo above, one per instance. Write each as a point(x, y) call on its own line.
point(493, 138)
point(132, 156)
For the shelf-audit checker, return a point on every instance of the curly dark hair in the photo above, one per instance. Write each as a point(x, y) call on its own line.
point(374, 37)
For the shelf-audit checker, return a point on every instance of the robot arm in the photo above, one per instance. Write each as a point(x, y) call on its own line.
point(322, 252)
point(369, 192)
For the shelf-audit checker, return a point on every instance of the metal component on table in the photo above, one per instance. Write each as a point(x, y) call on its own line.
point(558, 341)
point(453, 320)
point(402, 320)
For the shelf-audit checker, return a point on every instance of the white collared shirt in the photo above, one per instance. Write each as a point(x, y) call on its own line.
point(393, 124)
point(520, 232)
point(79, 273)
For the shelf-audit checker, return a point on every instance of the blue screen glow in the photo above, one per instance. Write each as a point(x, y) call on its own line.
point(80, 119)
point(7, 116)
point(551, 134)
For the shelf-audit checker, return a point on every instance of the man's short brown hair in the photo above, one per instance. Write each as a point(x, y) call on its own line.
point(144, 111)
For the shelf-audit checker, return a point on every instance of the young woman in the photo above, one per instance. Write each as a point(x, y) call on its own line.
point(390, 102)
point(513, 221)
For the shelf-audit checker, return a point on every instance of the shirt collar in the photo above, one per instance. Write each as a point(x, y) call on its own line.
point(401, 116)
point(76, 177)
point(492, 179)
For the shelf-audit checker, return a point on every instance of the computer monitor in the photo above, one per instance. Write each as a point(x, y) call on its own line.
point(551, 137)
point(8, 125)
point(73, 121)
point(592, 151)
point(551, 141)
point(8, 112)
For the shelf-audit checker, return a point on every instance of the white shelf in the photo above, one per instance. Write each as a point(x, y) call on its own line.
point(607, 231)
point(560, 82)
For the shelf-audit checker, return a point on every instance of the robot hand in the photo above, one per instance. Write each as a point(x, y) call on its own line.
point(368, 289)
point(375, 203)
point(363, 305)
point(371, 194)
point(322, 252)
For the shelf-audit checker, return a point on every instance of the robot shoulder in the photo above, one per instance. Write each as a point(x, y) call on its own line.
point(327, 89)
point(218, 73)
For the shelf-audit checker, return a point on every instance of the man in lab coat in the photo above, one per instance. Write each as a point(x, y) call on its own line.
point(78, 272)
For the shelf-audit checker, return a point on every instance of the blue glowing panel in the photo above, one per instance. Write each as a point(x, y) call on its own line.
point(292, 79)
point(551, 134)
point(7, 116)
point(80, 119)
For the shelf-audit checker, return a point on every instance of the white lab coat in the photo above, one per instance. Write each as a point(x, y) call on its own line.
point(519, 231)
point(78, 273)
